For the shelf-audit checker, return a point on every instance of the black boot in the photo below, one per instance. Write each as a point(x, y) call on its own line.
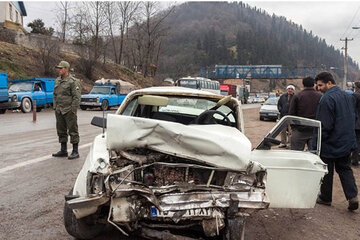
point(75, 152)
point(63, 152)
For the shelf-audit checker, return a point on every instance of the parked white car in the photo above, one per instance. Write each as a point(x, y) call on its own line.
point(176, 159)
point(269, 109)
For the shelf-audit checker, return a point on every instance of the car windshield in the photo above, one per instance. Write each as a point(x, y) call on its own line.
point(100, 90)
point(21, 87)
point(271, 101)
point(188, 83)
point(180, 106)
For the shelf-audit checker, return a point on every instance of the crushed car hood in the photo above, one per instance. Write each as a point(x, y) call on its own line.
point(216, 145)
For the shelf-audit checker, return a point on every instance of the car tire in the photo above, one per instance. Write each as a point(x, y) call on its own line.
point(262, 118)
point(234, 229)
point(80, 228)
point(105, 105)
point(2, 111)
point(83, 107)
point(26, 105)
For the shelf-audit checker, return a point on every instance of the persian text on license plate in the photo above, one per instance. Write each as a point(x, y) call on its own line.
point(198, 212)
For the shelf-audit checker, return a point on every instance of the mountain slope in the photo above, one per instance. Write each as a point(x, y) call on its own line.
point(20, 62)
point(208, 33)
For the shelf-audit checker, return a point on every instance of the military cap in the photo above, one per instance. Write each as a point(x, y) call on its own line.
point(63, 64)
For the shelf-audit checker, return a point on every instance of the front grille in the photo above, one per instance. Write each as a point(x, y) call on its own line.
point(165, 175)
point(88, 99)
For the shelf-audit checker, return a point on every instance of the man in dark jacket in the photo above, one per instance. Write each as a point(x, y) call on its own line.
point(304, 104)
point(283, 107)
point(336, 111)
point(355, 153)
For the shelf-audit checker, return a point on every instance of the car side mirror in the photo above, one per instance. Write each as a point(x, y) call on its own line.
point(99, 122)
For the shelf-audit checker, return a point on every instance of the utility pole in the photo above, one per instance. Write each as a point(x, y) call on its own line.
point(345, 62)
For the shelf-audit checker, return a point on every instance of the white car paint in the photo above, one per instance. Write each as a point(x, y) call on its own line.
point(293, 177)
point(217, 145)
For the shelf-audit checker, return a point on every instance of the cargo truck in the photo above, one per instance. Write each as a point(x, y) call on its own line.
point(24, 92)
point(105, 94)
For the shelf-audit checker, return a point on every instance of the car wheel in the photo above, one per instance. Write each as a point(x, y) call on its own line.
point(83, 107)
point(262, 118)
point(80, 228)
point(26, 105)
point(2, 111)
point(235, 229)
point(104, 105)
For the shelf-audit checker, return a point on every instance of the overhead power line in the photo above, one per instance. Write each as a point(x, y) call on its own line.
point(350, 23)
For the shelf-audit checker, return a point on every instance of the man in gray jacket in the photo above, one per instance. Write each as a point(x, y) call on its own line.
point(283, 107)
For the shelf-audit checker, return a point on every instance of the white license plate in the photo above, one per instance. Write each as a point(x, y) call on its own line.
point(272, 114)
point(199, 212)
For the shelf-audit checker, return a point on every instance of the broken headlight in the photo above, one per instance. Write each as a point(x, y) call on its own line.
point(95, 184)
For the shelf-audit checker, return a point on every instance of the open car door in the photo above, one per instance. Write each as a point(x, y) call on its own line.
point(293, 177)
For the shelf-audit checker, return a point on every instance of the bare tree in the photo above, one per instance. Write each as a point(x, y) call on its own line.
point(63, 18)
point(90, 26)
point(48, 48)
point(79, 27)
point(153, 32)
point(128, 11)
point(112, 18)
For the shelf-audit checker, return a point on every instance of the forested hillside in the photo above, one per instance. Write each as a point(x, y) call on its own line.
point(208, 33)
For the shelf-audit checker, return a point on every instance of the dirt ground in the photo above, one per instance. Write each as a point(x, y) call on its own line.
point(31, 203)
point(322, 222)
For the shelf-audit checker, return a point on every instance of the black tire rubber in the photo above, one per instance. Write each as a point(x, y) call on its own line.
point(234, 229)
point(26, 105)
point(262, 118)
point(2, 111)
point(39, 109)
point(80, 228)
point(105, 105)
point(83, 107)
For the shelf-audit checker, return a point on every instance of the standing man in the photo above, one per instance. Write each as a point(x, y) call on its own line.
point(336, 111)
point(304, 104)
point(67, 94)
point(283, 107)
point(355, 153)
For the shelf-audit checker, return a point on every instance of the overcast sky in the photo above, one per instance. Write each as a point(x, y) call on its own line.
point(330, 20)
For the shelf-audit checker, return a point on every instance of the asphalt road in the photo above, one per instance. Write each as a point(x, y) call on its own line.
point(32, 182)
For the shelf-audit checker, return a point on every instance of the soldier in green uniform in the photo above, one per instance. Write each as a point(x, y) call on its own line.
point(67, 94)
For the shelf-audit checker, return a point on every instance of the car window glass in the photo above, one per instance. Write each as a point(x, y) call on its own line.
point(227, 111)
point(100, 90)
point(21, 87)
point(130, 108)
point(271, 101)
point(191, 106)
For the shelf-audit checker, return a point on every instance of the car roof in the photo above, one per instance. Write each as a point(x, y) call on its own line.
point(174, 90)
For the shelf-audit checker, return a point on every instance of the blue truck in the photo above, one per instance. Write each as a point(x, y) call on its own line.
point(106, 93)
point(4, 94)
point(23, 93)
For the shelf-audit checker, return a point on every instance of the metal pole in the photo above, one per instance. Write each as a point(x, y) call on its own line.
point(34, 111)
point(345, 62)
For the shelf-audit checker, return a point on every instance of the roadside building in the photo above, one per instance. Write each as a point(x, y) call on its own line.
point(11, 15)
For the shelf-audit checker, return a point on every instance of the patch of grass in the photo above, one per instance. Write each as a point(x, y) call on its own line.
point(128, 72)
point(13, 70)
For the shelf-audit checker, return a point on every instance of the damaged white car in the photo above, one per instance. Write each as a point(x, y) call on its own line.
point(174, 163)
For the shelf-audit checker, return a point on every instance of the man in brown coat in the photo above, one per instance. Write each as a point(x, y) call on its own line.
point(304, 104)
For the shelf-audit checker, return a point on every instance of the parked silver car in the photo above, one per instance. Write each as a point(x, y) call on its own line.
point(269, 109)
